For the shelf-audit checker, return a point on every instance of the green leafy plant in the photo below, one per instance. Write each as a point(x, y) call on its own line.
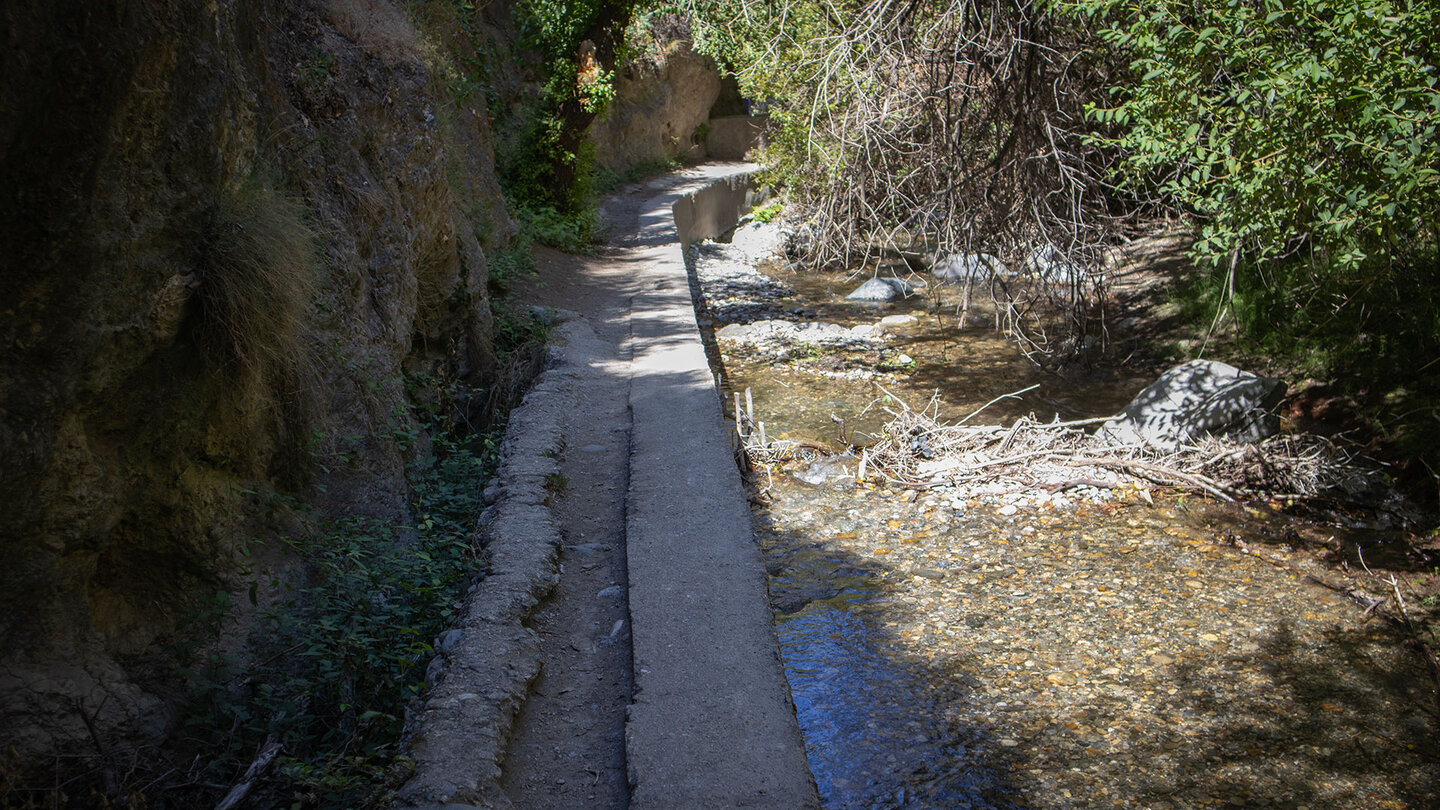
point(768, 212)
point(557, 482)
point(547, 169)
point(1301, 137)
point(318, 69)
point(510, 264)
point(573, 231)
point(1287, 125)
point(345, 652)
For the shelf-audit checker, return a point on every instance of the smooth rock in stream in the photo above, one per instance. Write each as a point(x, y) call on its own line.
point(758, 240)
point(788, 332)
point(821, 332)
point(1198, 398)
point(969, 266)
point(898, 320)
point(756, 331)
point(881, 289)
point(1049, 263)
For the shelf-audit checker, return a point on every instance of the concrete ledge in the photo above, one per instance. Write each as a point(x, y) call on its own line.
point(481, 676)
point(711, 723)
point(710, 211)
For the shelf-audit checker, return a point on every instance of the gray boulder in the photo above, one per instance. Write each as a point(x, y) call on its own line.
point(1198, 398)
point(1050, 264)
point(757, 331)
point(881, 289)
point(969, 266)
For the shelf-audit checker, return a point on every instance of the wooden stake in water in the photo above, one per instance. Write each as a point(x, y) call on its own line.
point(749, 406)
point(763, 443)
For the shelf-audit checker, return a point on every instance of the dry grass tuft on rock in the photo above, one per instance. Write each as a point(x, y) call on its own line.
point(257, 281)
point(379, 27)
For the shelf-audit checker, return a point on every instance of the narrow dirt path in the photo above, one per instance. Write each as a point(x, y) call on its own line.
point(568, 745)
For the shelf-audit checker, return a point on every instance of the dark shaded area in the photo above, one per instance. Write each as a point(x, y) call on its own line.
point(876, 726)
point(240, 269)
point(1359, 348)
point(1250, 753)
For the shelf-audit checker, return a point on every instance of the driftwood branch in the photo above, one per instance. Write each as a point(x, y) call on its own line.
point(237, 794)
point(1011, 395)
point(918, 452)
point(1152, 469)
point(977, 146)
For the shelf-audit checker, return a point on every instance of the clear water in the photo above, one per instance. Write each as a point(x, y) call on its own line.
point(888, 711)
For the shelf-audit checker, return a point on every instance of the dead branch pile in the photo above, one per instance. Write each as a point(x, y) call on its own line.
point(918, 451)
point(939, 127)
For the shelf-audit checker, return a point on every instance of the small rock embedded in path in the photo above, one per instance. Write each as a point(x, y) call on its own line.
point(450, 639)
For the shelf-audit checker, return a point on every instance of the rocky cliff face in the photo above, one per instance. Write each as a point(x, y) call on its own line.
point(230, 230)
point(662, 100)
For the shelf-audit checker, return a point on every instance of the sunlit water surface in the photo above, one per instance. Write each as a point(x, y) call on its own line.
point(918, 640)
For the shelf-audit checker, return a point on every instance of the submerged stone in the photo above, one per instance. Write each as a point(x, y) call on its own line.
point(832, 468)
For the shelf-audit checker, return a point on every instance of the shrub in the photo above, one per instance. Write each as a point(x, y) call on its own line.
point(1287, 125)
point(337, 664)
point(575, 231)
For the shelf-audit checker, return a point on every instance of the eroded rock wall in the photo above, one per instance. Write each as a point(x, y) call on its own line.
point(662, 101)
point(229, 231)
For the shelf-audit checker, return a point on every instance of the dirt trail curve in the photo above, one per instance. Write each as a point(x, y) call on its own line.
point(620, 652)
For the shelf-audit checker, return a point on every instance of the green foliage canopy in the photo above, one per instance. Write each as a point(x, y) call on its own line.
point(548, 168)
point(1288, 125)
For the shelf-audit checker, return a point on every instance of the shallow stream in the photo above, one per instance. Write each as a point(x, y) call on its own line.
point(996, 652)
